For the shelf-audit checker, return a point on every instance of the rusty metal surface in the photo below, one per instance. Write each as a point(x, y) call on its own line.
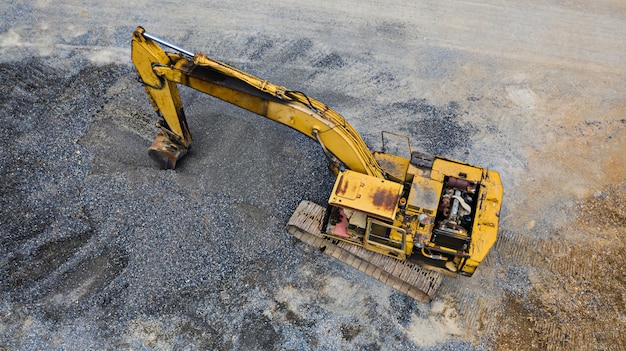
point(372, 195)
point(165, 152)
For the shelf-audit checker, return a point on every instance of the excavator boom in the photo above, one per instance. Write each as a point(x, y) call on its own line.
point(404, 221)
point(160, 73)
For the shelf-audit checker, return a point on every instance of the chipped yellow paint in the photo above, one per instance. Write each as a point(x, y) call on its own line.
point(375, 196)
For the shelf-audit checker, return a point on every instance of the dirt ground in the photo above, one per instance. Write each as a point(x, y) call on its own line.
point(101, 250)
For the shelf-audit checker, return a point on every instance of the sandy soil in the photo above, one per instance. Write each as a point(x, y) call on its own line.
point(94, 257)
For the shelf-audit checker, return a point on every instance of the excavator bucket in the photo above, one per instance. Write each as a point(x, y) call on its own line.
point(165, 151)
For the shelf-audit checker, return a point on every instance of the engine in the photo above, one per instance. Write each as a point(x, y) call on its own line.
point(455, 216)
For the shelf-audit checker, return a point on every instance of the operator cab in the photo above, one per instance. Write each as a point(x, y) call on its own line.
point(362, 210)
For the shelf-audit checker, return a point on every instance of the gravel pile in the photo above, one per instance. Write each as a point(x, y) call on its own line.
point(102, 250)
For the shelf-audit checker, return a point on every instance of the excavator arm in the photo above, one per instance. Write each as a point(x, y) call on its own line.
point(161, 72)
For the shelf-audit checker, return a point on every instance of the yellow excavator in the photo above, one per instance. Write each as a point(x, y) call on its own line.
point(405, 221)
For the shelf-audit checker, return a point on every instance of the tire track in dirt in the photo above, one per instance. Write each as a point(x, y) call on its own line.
point(25, 270)
point(83, 280)
point(571, 292)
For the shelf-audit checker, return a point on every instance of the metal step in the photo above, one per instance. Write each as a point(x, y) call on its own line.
point(409, 278)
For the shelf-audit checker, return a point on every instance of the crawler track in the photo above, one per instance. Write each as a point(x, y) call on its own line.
point(406, 277)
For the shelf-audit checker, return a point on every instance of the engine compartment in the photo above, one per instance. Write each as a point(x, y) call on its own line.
point(455, 214)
